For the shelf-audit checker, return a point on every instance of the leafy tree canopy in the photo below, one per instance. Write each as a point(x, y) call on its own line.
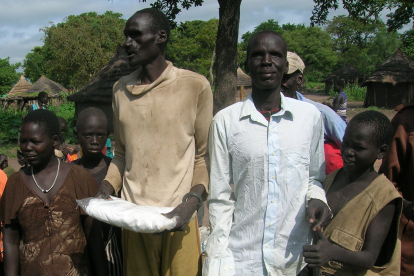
point(407, 43)
point(34, 64)
point(363, 45)
point(8, 75)
point(192, 44)
point(367, 10)
point(77, 48)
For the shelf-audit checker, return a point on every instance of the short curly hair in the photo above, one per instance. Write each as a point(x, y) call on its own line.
point(91, 112)
point(47, 119)
point(382, 128)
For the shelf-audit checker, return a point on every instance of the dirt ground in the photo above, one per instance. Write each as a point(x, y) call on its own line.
point(353, 109)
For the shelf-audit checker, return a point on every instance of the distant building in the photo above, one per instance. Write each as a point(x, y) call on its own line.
point(392, 83)
point(98, 91)
point(347, 73)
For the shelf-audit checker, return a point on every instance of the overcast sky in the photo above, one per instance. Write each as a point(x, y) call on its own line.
point(20, 20)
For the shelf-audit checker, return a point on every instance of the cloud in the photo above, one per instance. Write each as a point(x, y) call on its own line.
point(20, 20)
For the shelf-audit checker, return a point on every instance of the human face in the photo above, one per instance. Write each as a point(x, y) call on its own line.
point(62, 128)
point(36, 145)
point(140, 41)
point(290, 84)
point(44, 100)
point(92, 135)
point(358, 151)
point(266, 62)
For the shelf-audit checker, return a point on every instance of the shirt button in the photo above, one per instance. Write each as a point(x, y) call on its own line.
point(225, 269)
point(270, 224)
point(267, 246)
point(273, 201)
point(273, 177)
point(271, 130)
point(273, 153)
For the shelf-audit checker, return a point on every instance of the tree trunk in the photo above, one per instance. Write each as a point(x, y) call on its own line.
point(226, 54)
point(213, 57)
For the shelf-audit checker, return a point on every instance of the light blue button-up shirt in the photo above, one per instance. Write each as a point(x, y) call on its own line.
point(334, 126)
point(276, 168)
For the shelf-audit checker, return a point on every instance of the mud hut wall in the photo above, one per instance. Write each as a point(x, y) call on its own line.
point(105, 107)
point(386, 94)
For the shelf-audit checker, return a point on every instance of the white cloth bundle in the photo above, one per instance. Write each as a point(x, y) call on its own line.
point(127, 215)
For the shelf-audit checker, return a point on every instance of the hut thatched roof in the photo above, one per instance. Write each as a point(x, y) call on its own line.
point(396, 69)
point(21, 86)
point(346, 73)
point(243, 79)
point(99, 89)
point(43, 84)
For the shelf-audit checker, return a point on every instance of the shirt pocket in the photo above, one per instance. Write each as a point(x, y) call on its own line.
point(346, 240)
point(297, 167)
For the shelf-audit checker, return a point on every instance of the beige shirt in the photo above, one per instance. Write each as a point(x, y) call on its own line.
point(161, 132)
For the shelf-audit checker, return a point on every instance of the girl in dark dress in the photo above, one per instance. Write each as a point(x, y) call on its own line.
point(45, 233)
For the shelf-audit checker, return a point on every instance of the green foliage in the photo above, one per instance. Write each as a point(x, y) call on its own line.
point(67, 111)
point(353, 92)
point(9, 127)
point(77, 48)
point(315, 86)
point(171, 7)
point(373, 108)
point(192, 44)
point(363, 45)
point(10, 150)
point(8, 75)
point(367, 10)
point(34, 64)
point(407, 43)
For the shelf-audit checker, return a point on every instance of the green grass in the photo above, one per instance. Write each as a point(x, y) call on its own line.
point(9, 150)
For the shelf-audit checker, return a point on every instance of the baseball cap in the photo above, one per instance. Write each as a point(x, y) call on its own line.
point(295, 63)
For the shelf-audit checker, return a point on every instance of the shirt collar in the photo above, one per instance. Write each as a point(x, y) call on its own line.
point(249, 110)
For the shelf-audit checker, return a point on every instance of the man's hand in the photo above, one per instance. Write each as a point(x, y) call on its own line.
point(318, 213)
point(183, 212)
point(320, 253)
point(105, 191)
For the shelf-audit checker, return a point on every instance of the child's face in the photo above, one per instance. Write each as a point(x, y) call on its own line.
point(92, 135)
point(36, 145)
point(358, 151)
point(63, 127)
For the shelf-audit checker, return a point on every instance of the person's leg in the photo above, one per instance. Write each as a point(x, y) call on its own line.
point(141, 253)
point(182, 252)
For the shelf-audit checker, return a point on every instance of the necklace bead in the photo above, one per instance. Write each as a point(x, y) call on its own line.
point(54, 182)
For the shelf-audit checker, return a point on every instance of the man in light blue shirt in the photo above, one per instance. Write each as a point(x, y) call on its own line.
point(271, 148)
point(334, 126)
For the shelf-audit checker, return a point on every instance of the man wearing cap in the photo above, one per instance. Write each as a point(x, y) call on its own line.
point(334, 126)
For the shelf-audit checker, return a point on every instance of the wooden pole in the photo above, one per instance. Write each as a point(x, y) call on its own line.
point(241, 93)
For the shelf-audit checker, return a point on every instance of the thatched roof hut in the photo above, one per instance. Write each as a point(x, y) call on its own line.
point(244, 85)
point(347, 73)
point(21, 86)
point(19, 98)
point(392, 83)
point(44, 84)
point(98, 91)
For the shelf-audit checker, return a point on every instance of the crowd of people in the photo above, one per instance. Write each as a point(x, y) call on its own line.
point(290, 184)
